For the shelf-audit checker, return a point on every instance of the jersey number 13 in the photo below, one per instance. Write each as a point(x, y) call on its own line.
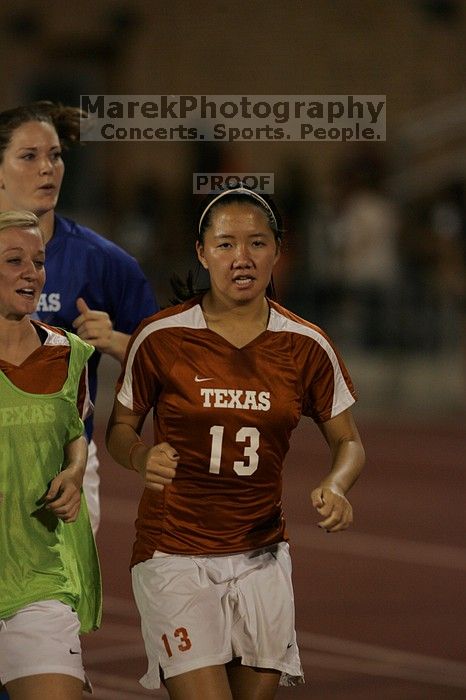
point(242, 468)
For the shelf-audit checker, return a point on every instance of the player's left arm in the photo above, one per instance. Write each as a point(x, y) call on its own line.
point(64, 495)
point(348, 457)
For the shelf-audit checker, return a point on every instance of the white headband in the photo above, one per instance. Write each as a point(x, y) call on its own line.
point(234, 190)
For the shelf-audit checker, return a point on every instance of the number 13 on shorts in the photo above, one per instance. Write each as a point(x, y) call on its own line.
point(180, 641)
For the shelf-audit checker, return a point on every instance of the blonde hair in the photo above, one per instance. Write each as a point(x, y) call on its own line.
point(19, 219)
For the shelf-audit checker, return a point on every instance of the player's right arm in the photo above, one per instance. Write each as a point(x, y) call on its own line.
point(156, 465)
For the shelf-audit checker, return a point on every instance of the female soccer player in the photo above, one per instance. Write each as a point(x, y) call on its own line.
point(93, 287)
point(49, 573)
point(228, 374)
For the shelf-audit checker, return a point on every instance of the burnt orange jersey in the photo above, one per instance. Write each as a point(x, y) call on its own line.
point(45, 370)
point(229, 412)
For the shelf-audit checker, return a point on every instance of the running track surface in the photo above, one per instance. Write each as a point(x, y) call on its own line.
point(381, 608)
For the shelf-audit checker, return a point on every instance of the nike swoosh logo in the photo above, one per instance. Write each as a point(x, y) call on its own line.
point(74, 652)
point(202, 379)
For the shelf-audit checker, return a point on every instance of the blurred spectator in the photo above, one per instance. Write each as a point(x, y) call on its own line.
point(434, 245)
point(293, 192)
point(448, 217)
point(138, 227)
point(361, 244)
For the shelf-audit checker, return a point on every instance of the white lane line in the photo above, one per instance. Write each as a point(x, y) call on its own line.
point(378, 547)
point(351, 542)
point(348, 655)
point(368, 667)
point(319, 650)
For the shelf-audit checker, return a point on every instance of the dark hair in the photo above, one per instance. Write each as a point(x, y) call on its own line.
point(241, 195)
point(186, 289)
point(66, 121)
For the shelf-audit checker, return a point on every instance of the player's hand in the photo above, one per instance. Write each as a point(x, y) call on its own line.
point(64, 496)
point(157, 465)
point(95, 327)
point(334, 507)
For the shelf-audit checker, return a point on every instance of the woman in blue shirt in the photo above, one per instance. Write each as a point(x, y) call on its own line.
point(93, 287)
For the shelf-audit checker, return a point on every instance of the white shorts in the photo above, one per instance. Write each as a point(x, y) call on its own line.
point(91, 483)
point(41, 638)
point(205, 611)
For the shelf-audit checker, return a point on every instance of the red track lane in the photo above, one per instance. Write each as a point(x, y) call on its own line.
point(380, 608)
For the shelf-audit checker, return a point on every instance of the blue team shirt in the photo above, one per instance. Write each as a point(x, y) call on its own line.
point(80, 263)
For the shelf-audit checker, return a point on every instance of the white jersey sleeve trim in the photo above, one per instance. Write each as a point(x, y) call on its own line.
point(88, 406)
point(342, 397)
point(192, 318)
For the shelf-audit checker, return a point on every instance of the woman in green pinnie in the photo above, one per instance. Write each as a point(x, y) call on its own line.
point(50, 588)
